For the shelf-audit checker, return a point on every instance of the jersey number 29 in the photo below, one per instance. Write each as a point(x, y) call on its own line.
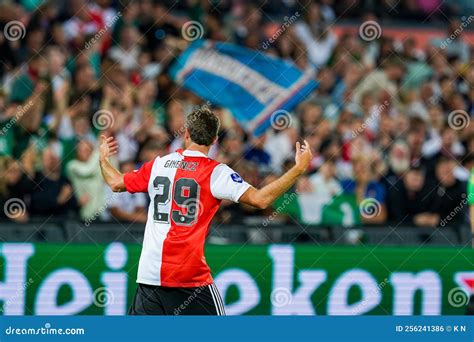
point(185, 195)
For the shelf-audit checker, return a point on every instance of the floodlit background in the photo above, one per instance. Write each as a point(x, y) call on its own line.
point(378, 225)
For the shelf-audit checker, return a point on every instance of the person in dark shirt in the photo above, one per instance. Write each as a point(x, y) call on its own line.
point(447, 197)
point(449, 147)
point(409, 197)
point(256, 153)
point(398, 163)
point(159, 25)
point(52, 193)
point(15, 186)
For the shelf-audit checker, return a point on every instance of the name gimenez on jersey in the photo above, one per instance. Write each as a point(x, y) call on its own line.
point(181, 164)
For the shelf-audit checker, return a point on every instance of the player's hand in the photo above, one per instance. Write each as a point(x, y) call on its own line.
point(303, 156)
point(108, 147)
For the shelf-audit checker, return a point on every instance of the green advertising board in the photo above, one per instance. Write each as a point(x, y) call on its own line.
point(41, 279)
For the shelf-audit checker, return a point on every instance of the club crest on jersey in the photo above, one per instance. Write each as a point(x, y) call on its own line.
point(236, 177)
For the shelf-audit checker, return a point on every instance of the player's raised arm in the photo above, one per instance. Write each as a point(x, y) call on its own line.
point(264, 197)
point(112, 176)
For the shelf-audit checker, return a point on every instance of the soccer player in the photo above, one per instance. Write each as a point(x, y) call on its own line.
point(186, 188)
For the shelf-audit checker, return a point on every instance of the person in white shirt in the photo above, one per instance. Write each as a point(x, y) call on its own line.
point(317, 191)
point(315, 35)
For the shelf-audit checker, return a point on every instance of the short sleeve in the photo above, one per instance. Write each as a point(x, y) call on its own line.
point(137, 180)
point(226, 184)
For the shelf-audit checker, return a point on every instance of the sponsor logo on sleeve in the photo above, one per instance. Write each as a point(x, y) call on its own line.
point(236, 177)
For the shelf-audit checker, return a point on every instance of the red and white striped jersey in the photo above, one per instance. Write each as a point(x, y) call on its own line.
point(185, 189)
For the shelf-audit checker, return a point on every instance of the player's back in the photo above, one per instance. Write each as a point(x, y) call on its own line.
point(185, 189)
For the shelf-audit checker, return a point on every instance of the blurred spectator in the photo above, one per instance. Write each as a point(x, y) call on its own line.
point(316, 35)
point(446, 197)
point(256, 153)
point(446, 146)
point(380, 80)
point(280, 146)
point(380, 123)
point(365, 187)
point(318, 190)
point(409, 199)
point(454, 42)
point(52, 193)
point(86, 179)
point(398, 164)
point(232, 146)
point(127, 207)
point(127, 51)
point(24, 84)
point(16, 182)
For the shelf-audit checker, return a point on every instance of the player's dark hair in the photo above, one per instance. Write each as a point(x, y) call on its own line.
point(203, 126)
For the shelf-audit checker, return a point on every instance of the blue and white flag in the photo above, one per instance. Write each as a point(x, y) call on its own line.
point(252, 85)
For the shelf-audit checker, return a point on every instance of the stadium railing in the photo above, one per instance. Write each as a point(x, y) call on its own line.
point(58, 231)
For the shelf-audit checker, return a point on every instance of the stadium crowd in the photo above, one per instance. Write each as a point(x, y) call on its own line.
point(389, 121)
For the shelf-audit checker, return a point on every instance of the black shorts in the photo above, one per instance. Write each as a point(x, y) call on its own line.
point(160, 300)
